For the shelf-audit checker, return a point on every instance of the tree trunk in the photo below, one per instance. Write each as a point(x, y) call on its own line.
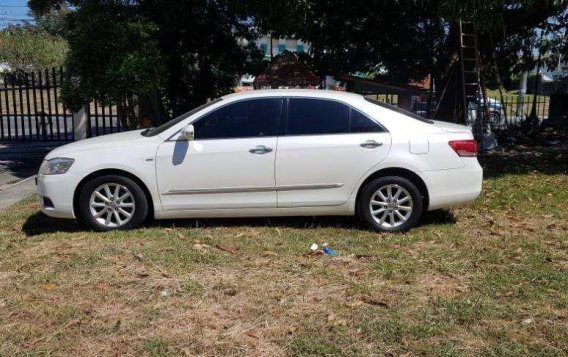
point(150, 111)
point(126, 113)
point(521, 97)
point(448, 82)
point(532, 117)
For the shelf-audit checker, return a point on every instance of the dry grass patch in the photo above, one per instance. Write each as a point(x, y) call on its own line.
point(490, 278)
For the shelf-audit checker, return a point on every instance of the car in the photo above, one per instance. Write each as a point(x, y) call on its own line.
point(496, 112)
point(267, 153)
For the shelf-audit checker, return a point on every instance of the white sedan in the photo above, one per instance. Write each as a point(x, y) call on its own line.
point(267, 153)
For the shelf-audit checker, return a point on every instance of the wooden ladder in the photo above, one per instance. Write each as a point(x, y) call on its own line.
point(473, 90)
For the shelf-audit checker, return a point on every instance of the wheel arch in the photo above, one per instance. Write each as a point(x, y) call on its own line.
point(117, 172)
point(401, 172)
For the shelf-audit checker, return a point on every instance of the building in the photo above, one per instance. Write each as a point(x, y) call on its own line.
point(279, 45)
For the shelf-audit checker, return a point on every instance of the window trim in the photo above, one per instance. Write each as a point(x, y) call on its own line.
point(285, 117)
point(277, 124)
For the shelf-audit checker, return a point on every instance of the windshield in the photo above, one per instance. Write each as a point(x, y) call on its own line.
point(399, 110)
point(169, 124)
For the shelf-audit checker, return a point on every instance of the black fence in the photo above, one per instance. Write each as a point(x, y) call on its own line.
point(509, 112)
point(102, 120)
point(31, 109)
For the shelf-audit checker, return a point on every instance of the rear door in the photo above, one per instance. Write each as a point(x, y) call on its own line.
point(326, 147)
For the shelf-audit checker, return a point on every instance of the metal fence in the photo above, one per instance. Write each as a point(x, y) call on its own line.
point(31, 109)
point(102, 119)
point(502, 114)
point(512, 111)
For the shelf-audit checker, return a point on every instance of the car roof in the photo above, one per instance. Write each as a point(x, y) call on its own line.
point(314, 93)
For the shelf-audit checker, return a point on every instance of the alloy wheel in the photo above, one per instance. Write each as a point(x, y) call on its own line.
point(391, 205)
point(112, 205)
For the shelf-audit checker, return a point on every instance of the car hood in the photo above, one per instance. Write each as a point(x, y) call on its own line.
point(99, 142)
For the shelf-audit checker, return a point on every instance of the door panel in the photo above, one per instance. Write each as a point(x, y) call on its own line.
point(331, 164)
point(230, 164)
point(326, 149)
point(209, 174)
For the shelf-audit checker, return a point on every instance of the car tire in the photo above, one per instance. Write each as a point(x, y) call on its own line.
point(395, 213)
point(112, 202)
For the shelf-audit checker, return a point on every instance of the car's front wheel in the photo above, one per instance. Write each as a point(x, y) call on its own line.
point(112, 202)
point(390, 204)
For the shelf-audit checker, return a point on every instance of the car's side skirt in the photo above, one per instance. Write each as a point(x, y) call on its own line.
point(346, 209)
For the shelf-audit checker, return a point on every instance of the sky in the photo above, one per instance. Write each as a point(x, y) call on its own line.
point(13, 12)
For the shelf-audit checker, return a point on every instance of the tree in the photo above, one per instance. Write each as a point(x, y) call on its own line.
point(205, 45)
point(114, 58)
point(53, 21)
point(412, 39)
point(194, 49)
point(190, 50)
point(26, 48)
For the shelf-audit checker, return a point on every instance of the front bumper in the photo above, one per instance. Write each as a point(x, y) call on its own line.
point(55, 193)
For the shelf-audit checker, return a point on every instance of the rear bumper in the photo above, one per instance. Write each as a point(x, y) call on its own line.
point(55, 193)
point(447, 188)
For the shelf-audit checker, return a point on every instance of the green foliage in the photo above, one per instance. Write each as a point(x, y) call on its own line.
point(53, 21)
point(194, 50)
point(28, 49)
point(113, 56)
point(204, 46)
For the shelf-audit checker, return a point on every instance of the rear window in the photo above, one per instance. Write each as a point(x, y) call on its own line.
point(399, 110)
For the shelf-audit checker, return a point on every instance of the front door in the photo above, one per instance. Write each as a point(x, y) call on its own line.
point(327, 147)
point(229, 165)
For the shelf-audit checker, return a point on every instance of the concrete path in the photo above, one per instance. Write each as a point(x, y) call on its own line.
point(14, 193)
point(19, 163)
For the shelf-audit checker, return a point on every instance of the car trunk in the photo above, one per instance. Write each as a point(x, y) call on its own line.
point(451, 127)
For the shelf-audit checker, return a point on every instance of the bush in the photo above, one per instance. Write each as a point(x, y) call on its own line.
point(28, 49)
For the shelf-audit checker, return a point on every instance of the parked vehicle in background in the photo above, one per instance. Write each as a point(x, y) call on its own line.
point(421, 108)
point(496, 113)
point(267, 153)
point(246, 83)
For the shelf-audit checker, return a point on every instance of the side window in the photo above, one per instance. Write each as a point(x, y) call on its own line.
point(245, 119)
point(316, 116)
point(360, 123)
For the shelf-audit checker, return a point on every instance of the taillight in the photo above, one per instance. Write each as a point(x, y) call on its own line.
point(464, 147)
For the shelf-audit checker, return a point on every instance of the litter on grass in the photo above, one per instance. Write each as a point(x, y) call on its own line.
point(323, 249)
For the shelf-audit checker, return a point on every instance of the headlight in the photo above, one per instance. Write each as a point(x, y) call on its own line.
point(56, 166)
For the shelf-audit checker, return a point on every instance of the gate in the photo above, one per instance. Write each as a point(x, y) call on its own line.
point(31, 109)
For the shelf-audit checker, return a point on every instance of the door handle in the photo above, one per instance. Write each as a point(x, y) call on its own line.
point(260, 150)
point(371, 144)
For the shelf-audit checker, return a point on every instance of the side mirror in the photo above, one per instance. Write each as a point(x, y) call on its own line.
point(187, 133)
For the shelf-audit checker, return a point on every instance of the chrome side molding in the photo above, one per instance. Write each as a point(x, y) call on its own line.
point(201, 191)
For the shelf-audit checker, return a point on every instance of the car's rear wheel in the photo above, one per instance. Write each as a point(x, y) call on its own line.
point(112, 202)
point(390, 204)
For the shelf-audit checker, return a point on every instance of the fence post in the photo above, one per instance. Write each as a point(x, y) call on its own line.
point(80, 124)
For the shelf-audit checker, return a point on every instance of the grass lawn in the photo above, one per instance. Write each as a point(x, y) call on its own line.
point(490, 278)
